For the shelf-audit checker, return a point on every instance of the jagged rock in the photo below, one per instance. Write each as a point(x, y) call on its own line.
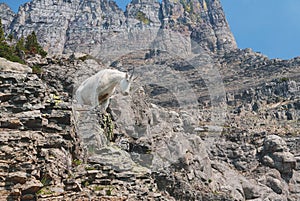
point(251, 191)
point(36, 60)
point(10, 123)
point(206, 22)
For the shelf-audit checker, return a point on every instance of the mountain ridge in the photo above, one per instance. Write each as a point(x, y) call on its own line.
point(92, 23)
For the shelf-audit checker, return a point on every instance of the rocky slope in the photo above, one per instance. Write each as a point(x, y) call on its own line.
point(204, 121)
point(166, 152)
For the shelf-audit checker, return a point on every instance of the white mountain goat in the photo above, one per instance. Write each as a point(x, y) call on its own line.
point(97, 89)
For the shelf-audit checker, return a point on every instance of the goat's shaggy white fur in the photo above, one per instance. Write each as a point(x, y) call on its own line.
point(97, 89)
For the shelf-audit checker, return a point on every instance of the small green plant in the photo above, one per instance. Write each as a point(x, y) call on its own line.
point(98, 188)
point(20, 48)
point(108, 126)
point(188, 7)
point(109, 190)
point(2, 33)
point(77, 162)
point(85, 183)
point(10, 37)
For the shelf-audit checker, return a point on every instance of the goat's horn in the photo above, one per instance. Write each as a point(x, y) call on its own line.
point(131, 76)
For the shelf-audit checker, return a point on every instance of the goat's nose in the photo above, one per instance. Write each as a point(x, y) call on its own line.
point(126, 93)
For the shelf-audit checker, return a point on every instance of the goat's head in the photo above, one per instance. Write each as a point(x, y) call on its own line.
point(126, 82)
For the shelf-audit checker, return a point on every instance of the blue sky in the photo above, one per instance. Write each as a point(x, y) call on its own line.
point(271, 27)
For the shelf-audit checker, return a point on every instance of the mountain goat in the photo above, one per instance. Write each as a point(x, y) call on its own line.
point(97, 89)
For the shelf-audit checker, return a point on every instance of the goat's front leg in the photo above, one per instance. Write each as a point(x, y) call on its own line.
point(105, 105)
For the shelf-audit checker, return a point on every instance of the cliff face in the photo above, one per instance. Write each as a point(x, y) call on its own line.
point(62, 25)
point(204, 19)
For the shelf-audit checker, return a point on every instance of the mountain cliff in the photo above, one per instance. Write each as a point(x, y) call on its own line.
point(61, 25)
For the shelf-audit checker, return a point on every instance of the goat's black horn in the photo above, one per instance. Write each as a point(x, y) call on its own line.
point(132, 73)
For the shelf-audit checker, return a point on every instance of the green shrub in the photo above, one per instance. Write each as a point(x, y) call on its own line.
point(8, 53)
point(17, 53)
point(77, 162)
